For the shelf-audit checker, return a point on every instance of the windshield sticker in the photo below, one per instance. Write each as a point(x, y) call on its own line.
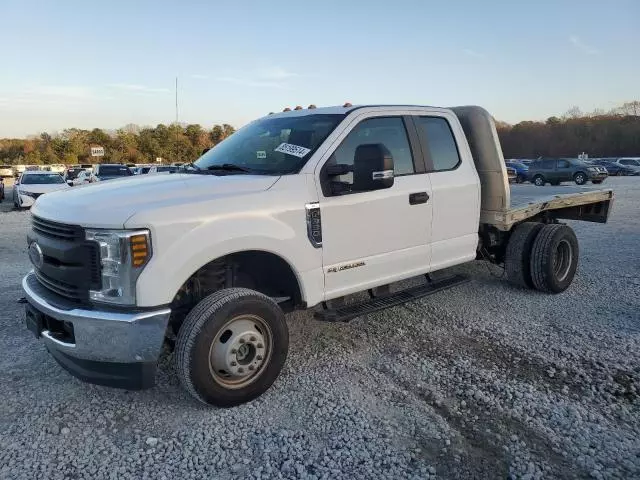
point(291, 149)
point(261, 154)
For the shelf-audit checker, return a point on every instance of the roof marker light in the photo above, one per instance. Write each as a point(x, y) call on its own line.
point(311, 106)
point(298, 107)
point(287, 109)
point(347, 104)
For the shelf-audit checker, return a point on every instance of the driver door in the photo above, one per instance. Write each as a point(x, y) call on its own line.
point(370, 238)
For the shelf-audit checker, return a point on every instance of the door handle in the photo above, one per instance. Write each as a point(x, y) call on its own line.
point(420, 197)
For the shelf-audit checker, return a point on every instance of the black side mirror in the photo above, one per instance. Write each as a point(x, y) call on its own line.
point(338, 169)
point(372, 168)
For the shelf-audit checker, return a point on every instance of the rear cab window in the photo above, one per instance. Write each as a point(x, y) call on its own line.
point(442, 149)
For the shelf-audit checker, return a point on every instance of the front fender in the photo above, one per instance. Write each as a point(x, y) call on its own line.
point(179, 250)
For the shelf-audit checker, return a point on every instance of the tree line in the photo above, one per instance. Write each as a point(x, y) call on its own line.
point(131, 144)
point(600, 134)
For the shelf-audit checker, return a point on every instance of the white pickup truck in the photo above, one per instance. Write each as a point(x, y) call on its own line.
point(294, 211)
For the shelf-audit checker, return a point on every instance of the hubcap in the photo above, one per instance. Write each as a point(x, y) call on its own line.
point(562, 260)
point(239, 351)
point(580, 179)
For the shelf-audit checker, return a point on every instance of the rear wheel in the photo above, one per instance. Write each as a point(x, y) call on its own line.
point(554, 258)
point(580, 178)
point(231, 347)
point(539, 180)
point(518, 255)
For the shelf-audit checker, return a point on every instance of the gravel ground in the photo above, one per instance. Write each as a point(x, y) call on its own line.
point(484, 381)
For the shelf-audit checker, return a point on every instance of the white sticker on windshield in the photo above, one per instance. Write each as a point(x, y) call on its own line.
point(291, 149)
point(261, 154)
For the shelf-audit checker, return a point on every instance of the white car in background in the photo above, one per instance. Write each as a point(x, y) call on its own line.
point(84, 177)
point(32, 184)
point(164, 169)
point(6, 171)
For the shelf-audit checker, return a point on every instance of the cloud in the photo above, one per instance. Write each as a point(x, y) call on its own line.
point(64, 91)
point(138, 88)
point(473, 53)
point(276, 73)
point(576, 42)
point(250, 83)
point(199, 76)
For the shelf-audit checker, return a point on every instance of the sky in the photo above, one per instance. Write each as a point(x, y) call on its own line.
point(86, 64)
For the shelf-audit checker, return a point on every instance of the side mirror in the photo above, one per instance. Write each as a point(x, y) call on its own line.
point(372, 168)
point(338, 169)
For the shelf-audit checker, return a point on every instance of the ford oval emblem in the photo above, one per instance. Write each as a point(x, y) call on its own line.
point(35, 255)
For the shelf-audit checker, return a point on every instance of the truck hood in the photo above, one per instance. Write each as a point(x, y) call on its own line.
point(110, 204)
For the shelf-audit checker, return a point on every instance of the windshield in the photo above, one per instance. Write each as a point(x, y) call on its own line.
point(41, 179)
point(114, 171)
point(272, 146)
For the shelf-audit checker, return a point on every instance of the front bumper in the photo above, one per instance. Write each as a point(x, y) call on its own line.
point(107, 348)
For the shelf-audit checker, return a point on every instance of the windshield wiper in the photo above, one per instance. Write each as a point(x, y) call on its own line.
point(229, 167)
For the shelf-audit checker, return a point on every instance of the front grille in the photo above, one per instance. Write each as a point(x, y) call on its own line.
point(71, 264)
point(63, 289)
point(57, 230)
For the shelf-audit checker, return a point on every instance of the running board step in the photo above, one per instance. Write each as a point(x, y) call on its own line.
point(349, 312)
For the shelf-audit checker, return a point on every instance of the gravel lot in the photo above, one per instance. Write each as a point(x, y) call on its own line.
point(484, 381)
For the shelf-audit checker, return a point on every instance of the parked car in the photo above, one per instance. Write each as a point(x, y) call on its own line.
point(141, 170)
point(512, 174)
point(163, 169)
point(1, 188)
point(84, 177)
point(522, 170)
point(6, 171)
point(57, 168)
point(613, 168)
point(110, 171)
point(31, 185)
point(633, 163)
point(554, 171)
point(19, 169)
point(336, 201)
point(72, 173)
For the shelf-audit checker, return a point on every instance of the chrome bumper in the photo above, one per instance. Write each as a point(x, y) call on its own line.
point(99, 336)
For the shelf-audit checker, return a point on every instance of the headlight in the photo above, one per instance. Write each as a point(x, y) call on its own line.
point(27, 194)
point(123, 255)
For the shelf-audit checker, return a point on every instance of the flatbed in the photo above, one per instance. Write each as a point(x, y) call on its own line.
point(568, 202)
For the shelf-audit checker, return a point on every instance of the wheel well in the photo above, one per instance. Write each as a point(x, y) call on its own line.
point(262, 271)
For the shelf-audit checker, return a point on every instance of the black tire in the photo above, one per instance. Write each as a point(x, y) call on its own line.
point(580, 178)
point(554, 258)
point(521, 179)
point(517, 262)
point(538, 180)
point(202, 328)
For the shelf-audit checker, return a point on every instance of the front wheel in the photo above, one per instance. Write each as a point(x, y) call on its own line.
point(580, 178)
point(231, 347)
point(538, 180)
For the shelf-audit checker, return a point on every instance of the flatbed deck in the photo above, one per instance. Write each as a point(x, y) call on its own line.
point(527, 201)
